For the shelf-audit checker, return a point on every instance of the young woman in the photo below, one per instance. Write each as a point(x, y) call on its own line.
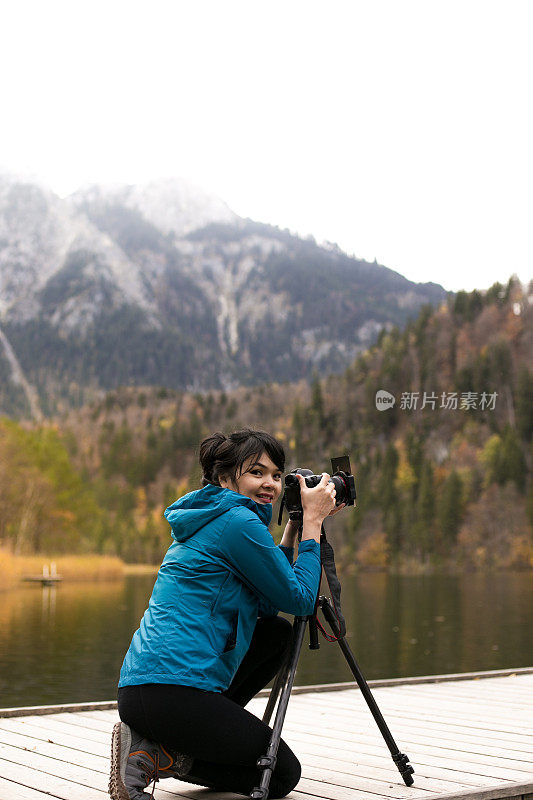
point(210, 638)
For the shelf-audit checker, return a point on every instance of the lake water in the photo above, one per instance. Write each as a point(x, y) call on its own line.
point(65, 644)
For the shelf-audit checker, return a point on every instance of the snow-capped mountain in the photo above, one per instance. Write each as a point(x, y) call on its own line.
point(163, 284)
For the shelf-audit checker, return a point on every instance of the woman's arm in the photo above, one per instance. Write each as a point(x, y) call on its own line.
point(288, 541)
point(249, 549)
point(289, 534)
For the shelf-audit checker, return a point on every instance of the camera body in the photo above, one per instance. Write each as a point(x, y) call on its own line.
point(341, 477)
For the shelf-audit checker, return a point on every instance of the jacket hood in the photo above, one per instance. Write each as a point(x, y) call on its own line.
point(194, 510)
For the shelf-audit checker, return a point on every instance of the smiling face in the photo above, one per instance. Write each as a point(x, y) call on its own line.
point(260, 480)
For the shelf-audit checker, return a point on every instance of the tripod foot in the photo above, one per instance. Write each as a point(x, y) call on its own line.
point(404, 767)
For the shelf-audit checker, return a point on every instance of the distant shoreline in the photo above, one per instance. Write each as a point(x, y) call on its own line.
point(92, 568)
point(74, 568)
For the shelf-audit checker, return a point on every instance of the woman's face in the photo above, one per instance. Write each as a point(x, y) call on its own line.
point(260, 480)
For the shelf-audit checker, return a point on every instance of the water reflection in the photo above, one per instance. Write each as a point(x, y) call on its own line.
point(425, 625)
point(66, 643)
point(49, 604)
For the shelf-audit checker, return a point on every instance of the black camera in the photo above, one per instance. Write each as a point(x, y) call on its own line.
point(341, 477)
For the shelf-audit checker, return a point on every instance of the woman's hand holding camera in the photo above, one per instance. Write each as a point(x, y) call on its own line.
point(318, 501)
point(317, 504)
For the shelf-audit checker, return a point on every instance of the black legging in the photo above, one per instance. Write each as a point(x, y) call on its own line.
point(223, 738)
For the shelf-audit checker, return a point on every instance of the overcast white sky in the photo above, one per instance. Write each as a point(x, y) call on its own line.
point(402, 130)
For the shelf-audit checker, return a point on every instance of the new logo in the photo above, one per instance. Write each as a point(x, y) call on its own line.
point(384, 400)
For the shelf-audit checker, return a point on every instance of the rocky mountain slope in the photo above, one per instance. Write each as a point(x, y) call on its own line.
point(164, 285)
point(447, 482)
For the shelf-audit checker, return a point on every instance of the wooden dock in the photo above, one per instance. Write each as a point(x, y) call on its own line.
point(469, 738)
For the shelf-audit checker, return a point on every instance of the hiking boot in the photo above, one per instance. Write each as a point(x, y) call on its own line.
point(136, 762)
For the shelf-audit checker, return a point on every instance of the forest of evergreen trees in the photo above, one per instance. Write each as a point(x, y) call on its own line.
point(443, 481)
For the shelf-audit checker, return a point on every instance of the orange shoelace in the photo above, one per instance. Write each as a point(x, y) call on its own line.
point(153, 774)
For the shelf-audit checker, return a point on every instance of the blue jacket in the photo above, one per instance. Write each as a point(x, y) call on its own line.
point(222, 571)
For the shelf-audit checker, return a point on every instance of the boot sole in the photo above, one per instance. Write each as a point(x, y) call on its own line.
point(117, 789)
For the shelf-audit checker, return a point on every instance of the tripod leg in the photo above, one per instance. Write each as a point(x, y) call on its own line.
point(279, 682)
point(400, 759)
point(267, 763)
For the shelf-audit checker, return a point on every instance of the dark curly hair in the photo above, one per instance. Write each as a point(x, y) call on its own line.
point(224, 456)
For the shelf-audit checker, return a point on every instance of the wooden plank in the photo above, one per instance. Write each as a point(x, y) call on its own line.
point(54, 767)
point(329, 791)
point(499, 697)
point(363, 783)
point(321, 705)
point(518, 750)
point(110, 716)
point(12, 790)
point(396, 704)
point(488, 685)
point(511, 684)
point(423, 739)
point(392, 705)
point(55, 727)
point(296, 794)
point(85, 722)
point(76, 742)
point(338, 772)
point(448, 711)
point(474, 765)
point(454, 760)
point(440, 732)
point(455, 726)
point(101, 783)
point(101, 764)
point(356, 734)
point(407, 699)
point(427, 736)
point(66, 789)
point(57, 786)
point(368, 763)
point(463, 743)
point(34, 711)
point(498, 705)
point(51, 750)
point(57, 761)
point(513, 791)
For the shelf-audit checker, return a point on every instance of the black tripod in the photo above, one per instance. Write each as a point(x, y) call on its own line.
point(285, 679)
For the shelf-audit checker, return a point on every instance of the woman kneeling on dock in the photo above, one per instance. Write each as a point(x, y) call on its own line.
point(210, 638)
